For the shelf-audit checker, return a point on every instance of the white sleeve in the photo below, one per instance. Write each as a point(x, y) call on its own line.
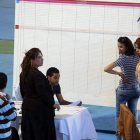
point(18, 93)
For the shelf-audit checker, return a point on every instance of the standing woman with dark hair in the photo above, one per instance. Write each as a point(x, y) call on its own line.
point(128, 90)
point(38, 103)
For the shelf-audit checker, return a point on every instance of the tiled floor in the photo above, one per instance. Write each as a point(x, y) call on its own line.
point(105, 136)
point(101, 122)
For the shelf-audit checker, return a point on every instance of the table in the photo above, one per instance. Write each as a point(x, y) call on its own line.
point(78, 126)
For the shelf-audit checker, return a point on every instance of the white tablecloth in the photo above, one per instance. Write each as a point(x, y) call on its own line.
point(76, 127)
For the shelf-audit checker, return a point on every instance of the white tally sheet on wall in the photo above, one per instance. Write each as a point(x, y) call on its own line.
point(78, 39)
point(131, 1)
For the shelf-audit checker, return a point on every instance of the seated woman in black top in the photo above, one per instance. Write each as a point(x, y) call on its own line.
point(38, 103)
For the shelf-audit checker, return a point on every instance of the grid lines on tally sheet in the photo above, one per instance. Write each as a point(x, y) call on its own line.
point(80, 40)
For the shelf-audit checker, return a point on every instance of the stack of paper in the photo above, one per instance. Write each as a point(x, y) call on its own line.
point(67, 111)
point(75, 103)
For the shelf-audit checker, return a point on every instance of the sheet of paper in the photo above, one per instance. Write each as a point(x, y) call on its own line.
point(67, 111)
point(75, 103)
point(18, 104)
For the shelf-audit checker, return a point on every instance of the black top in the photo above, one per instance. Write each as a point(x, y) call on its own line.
point(57, 89)
point(36, 92)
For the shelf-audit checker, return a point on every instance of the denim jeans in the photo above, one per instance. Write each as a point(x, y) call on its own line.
point(129, 96)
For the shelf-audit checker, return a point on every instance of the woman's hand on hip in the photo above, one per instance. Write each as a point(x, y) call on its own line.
point(124, 78)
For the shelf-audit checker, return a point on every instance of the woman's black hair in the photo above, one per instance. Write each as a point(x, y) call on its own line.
point(128, 44)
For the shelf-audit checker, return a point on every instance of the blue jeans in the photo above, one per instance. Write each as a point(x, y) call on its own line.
point(129, 96)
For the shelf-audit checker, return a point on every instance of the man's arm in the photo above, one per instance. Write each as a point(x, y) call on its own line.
point(64, 102)
point(61, 100)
